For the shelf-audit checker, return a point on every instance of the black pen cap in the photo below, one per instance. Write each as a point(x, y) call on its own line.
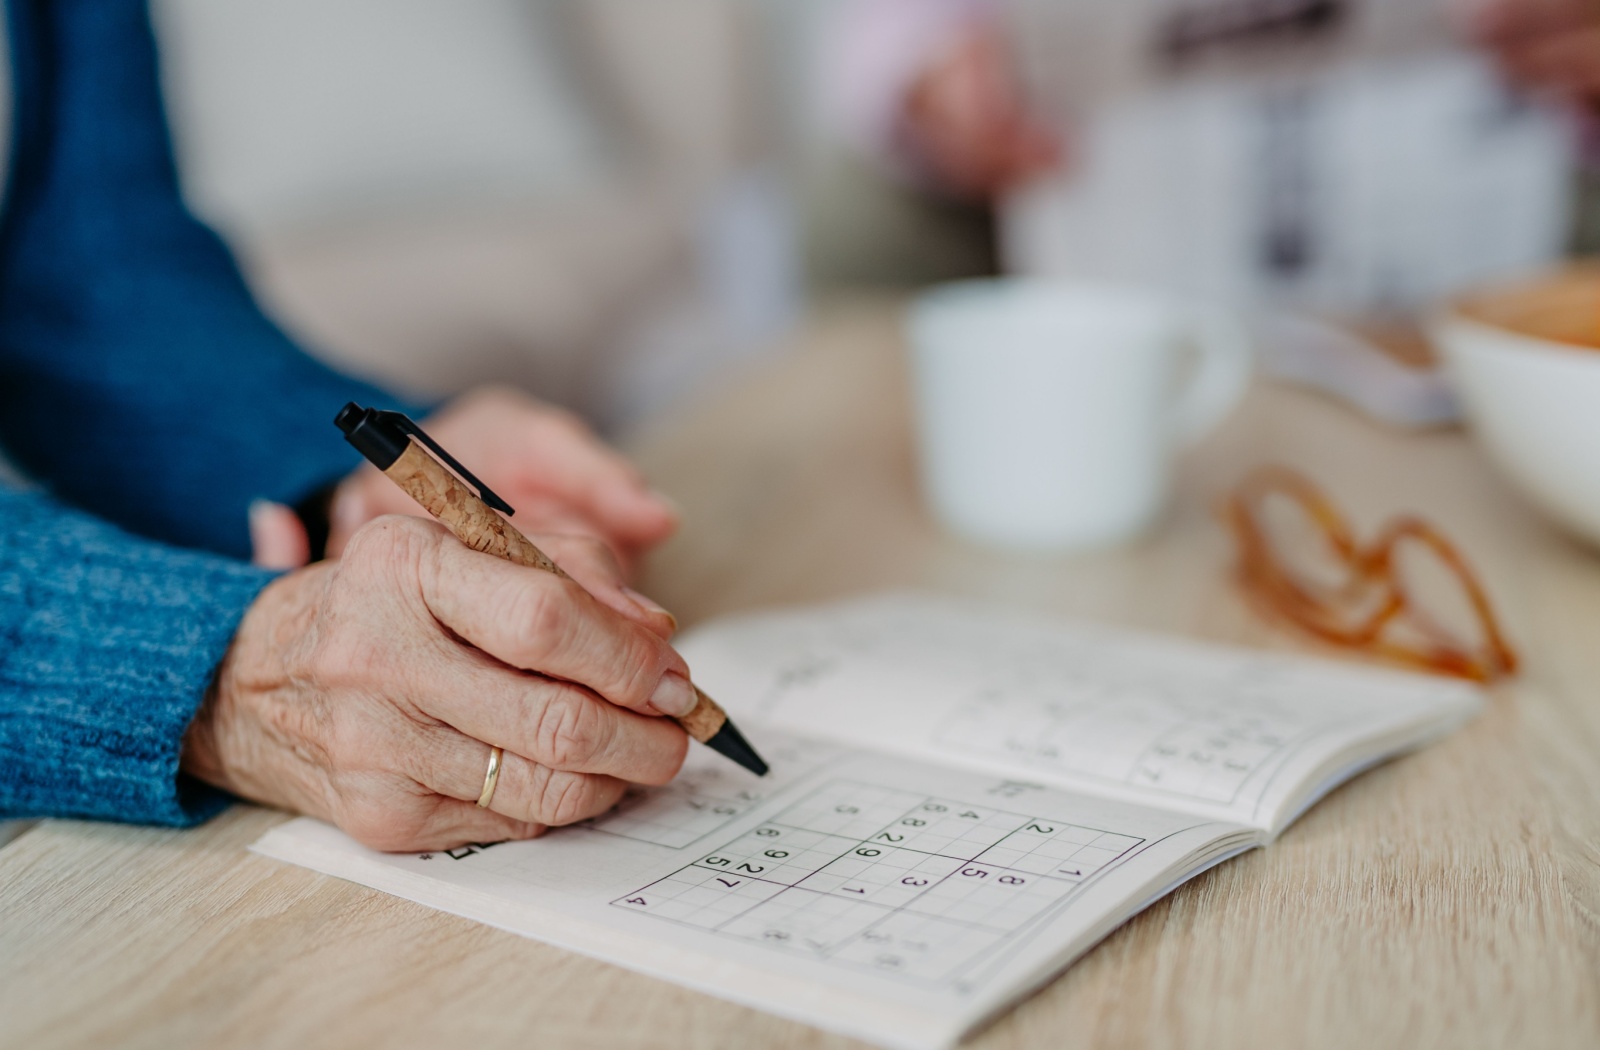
point(373, 436)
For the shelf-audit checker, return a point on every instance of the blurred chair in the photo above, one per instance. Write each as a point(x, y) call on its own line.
point(575, 196)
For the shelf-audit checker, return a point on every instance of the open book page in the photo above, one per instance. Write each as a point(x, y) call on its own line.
point(882, 898)
point(1224, 733)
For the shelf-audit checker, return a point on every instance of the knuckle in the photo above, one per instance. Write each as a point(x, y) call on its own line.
point(563, 798)
point(341, 656)
point(396, 552)
point(640, 668)
point(543, 616)
point(387, 538)
point(569, 730)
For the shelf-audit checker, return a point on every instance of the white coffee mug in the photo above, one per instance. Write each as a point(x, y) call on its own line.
point(1049, 412)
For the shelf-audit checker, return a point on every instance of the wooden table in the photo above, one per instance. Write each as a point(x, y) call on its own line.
point(1451, 898)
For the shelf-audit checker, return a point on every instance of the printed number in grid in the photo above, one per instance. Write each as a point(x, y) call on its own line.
point(672, 817)
point(849, 810)
point(700, 897)
point(778, 854)
point(1212, 760)
point(949, 828)
point(1128, 738)
point(1060, 851)
point(958, 879)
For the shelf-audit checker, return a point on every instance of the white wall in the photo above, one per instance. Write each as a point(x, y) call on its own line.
point(288, 111)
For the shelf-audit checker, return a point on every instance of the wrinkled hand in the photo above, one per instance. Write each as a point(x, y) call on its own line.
point(368, 691)
point(968, 122)
point(542, 460)
point(1548, 45)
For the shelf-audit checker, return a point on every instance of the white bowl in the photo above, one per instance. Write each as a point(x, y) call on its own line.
point(1534, 400)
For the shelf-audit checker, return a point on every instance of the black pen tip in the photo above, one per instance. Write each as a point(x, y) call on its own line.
point(728, 741)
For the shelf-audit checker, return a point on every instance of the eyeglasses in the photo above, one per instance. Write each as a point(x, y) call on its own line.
point(1361, 599)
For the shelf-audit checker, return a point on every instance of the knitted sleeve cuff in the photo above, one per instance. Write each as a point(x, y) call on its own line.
point(107, 646)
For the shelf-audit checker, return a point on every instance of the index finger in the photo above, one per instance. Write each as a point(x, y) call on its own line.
point(538, 621)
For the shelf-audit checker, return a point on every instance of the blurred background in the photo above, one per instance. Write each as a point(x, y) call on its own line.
point(611, 203)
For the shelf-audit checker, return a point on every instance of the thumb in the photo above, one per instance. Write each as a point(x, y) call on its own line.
point(277, 538)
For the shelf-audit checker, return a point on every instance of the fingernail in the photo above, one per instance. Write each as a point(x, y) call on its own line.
point(649, 606)
point(674, 696)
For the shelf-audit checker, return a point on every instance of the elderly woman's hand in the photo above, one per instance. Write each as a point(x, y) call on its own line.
point(368, 691)
point(541, 459)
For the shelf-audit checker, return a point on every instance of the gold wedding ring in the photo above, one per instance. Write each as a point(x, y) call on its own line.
point(491, 778)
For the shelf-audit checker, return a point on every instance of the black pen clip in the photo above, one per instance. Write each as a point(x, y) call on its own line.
point(381, 437)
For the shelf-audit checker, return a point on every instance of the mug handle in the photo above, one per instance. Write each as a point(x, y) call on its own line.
point(1220, 379)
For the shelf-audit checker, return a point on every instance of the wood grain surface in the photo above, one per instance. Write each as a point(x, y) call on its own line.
point(1448, 899)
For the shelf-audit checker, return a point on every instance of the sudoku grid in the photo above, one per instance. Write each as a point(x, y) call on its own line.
point(895, 881)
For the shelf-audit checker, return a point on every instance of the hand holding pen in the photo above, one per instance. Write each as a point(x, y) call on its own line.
point(373, 691)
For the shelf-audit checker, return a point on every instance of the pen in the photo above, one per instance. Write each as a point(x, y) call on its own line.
point(412, 460)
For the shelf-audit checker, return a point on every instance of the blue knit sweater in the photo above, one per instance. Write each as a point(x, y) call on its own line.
point(151, 400)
